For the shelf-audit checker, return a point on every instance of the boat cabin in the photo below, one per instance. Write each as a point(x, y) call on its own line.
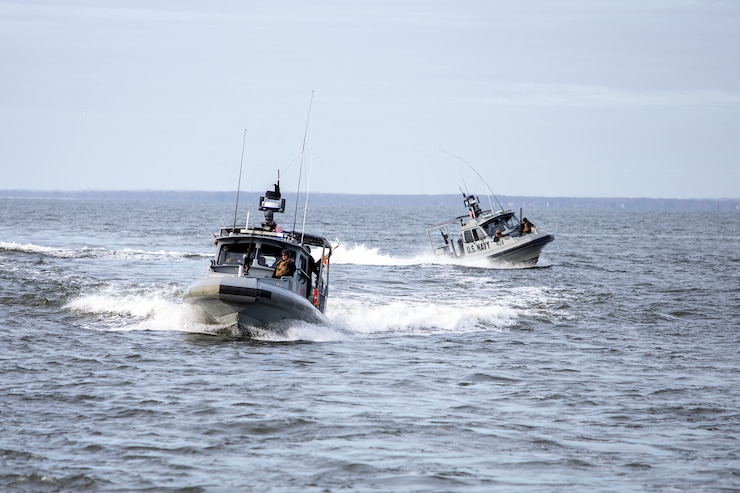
point(255, 253)
point(505, 222)
point(475, 232)
point(260, 256)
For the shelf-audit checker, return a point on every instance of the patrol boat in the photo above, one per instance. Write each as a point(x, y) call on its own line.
point(495, 236)
point(241, 292)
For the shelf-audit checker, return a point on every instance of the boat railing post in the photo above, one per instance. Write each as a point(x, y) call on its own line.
point(521, 214)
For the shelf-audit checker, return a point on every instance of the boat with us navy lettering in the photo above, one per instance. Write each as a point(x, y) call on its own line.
point(499, 237)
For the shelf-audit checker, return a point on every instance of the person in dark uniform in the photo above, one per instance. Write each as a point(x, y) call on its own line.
point(313, 268)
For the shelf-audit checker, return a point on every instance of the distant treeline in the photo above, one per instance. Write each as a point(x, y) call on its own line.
point(507, 201)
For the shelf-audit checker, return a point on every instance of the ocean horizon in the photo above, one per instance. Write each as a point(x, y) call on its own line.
point(394, 200)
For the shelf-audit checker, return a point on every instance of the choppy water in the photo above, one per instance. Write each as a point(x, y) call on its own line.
point(613, 368)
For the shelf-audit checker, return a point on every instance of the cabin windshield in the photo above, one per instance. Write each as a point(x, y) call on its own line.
point(234, 253)
point(505, 223)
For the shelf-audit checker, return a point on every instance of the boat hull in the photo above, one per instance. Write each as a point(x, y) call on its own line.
point(524, 251)
point(519, 250)
point(251, 302)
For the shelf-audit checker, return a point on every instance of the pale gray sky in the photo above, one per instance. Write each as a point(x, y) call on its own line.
point(590, 98)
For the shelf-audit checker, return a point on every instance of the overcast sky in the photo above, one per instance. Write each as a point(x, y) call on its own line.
point(587, 98)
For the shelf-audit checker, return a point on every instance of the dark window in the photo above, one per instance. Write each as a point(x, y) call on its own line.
point(269, 254)
point(234, 253)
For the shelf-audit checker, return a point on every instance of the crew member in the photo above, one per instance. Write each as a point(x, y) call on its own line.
point(285, 266)
point(313, 268)
point(526, 226)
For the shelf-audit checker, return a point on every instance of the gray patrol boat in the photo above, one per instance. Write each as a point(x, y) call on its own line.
point(494, 236)
point(241, 293)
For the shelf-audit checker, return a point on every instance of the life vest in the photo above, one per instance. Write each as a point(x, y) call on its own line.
point(282, 268)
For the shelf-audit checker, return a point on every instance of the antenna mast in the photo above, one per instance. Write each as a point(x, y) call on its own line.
point(305, 208)
point(239, 183)
point(303, 153)
point(479, 176)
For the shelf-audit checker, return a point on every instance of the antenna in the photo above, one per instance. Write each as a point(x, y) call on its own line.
point(303, 153)
point(479, 176)
point(465, 193)
point(239, 183)
point(305, 208)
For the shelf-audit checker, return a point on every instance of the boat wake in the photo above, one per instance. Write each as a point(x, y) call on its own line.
point(420, 318)
point(99, 252)
point(361, 254)
point(159, 308)
point(140, 308)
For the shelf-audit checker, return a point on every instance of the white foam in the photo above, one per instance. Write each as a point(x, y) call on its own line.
point(99, 252)
point(360, 254)
point(301, 331)
point(110, 300)
point(420, 318)
point(29, 248)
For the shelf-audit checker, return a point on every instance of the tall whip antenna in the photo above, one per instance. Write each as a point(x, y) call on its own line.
point(305, 208)
point(239, 183)
point(479, 176)
point(303, 153)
